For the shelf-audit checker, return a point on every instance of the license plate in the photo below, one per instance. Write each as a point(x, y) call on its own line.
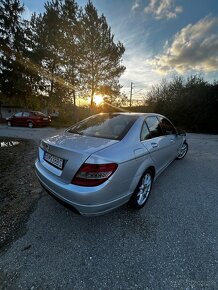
point(45, 119)
point(54, 160)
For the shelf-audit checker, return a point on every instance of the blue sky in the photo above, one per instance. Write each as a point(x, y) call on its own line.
point(162, 38)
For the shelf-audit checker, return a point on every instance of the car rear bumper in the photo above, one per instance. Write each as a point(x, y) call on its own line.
point(65, 193)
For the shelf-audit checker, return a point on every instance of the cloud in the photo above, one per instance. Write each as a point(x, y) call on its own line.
point(138, 72)
point(194, 48)
point(136, 5)
point(163, 9)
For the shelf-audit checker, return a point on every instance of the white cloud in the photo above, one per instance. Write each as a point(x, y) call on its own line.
point(136, 5)
point(194, 48)
point(138, 72)
point(163, 9)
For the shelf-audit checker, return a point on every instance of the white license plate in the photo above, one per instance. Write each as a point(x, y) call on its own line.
point(45, 119)
point(54, 160)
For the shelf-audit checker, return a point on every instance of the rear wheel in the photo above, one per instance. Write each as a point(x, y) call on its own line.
point(183, 151)
point(30, 124)
point(141, 194)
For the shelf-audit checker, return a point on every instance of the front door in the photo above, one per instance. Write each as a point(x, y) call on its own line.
point(17, 119)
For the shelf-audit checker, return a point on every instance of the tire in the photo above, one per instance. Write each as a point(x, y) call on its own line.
point(30, 125)
point(183, 151)
point(142, 191)
point(9, 123)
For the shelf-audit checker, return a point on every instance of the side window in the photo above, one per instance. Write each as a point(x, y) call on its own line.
point(145, 134)
point(17, 115)
point(26, 114)
point(154, 126)
point(168, 128)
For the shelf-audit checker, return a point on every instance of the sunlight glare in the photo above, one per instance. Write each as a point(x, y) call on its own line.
point(98, 99)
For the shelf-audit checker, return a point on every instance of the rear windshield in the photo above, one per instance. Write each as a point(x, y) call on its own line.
point(109, 126)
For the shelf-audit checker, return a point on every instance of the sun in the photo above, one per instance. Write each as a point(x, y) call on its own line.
point(98, 99)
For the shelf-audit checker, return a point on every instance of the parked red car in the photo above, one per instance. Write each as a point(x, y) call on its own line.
point(30, 119)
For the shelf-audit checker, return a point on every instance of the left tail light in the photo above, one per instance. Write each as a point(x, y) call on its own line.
point(93, 174)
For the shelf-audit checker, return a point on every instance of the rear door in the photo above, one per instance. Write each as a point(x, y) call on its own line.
point(25, 118)
point(156, 142)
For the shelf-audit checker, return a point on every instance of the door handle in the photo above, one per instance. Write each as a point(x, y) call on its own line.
point(154, 145)
point(172, 141)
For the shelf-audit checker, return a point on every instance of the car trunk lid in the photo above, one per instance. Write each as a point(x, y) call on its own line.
point(73, 149)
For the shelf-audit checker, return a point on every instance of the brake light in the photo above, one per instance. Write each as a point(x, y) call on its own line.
point(94, 174)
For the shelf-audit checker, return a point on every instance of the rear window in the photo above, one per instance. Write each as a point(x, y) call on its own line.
point(109, 126)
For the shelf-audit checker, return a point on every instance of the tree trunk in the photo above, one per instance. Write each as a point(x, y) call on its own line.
point(51, 94)
point(74, 98)
point(51, 89)
point(93, 90)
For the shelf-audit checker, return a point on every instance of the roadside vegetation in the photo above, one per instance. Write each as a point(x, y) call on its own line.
point(190, 103)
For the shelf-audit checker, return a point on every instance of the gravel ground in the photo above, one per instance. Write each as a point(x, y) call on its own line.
point(19, 187)
point(170, 244)
point(28, 133)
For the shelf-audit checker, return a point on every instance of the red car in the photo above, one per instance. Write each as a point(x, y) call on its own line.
point(29, 119)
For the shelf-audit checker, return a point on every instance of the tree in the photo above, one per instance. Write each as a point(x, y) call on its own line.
point(70, 17)
point(191, 103)
point(100, 56)
point(14, 80)
point(54, 36)
point(46, 57)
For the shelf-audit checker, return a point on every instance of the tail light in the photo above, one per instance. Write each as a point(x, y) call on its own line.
point(94, 174)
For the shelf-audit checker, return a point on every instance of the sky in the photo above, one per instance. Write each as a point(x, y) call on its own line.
point(162, 38)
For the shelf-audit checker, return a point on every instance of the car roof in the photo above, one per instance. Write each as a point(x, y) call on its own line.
point(135, 114)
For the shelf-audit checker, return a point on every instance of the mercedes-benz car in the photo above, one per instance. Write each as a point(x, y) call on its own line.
point(108, 160)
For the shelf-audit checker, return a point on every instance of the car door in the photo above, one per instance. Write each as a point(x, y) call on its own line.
point(17, 119)
point(156, 142)
point(173, 138)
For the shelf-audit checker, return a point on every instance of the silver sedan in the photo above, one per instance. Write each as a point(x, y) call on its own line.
point(108, 160)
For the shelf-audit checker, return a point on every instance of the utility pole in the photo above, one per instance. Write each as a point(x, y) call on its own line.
point(130, 102)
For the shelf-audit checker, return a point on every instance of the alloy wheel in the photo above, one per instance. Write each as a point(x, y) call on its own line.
point(183, 151)
point(144, 189)
point(30, 125)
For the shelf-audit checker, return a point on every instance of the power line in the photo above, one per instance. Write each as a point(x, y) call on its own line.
point(138, 91)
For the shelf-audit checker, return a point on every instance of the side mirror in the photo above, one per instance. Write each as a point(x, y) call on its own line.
point(181, 132)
